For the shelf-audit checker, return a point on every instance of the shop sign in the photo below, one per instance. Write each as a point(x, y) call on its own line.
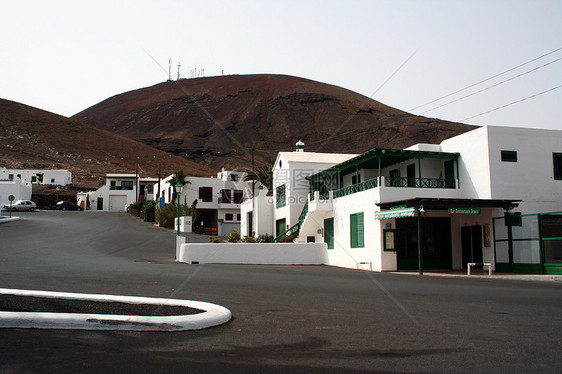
point(465, 210)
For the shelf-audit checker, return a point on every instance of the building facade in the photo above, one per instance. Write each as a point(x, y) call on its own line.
point(38, 176)
point(217, 200)
point(481, 197)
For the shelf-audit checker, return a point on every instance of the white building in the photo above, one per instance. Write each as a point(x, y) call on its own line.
point(38, 176)
point(447, 201)
point(20, 189)
point(119, 191)
point(218, 200)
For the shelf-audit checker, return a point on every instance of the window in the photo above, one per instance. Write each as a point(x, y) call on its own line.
point(356, 179)
point(125, 185)
point(52, 180)
point(225, 197)
point(234, 177)
point(238, 217)
point(238, 196)
point(357, 230)
point(33, 179)
point(509, 156)
point(11, 177)
point(228, 217)
point(280, 197)
point(206, 194)
point(557, 161)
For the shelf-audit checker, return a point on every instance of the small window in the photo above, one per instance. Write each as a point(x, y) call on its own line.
point(238, 217)
point(234, 177)
point(206, 194)
point(557, 161)
point(11, 177)
point(509, 156)
point(228, 217)
point(52, 180)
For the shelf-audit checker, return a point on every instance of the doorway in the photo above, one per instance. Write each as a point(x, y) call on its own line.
point(100, 203)
point(436, 243)
point(280, 227)
point(471, 239)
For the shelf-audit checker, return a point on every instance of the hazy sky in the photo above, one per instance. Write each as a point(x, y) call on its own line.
point(64, 56)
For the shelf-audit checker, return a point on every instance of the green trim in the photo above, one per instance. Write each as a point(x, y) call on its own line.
point(503, 267)
point(553, 269)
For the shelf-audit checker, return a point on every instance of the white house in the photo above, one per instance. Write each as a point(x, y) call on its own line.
point(38, 176)
point(20, 189)
point(447, 202)
point(218, 199)
point(119, 191)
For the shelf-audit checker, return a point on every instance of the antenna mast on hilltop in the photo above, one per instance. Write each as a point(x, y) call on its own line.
point(179, 64)
point(170, 69)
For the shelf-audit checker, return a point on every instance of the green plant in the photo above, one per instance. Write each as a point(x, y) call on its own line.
point(265, 238)
point(233, 237)
point(167, 215)
point(248, 239)
point(214, 239)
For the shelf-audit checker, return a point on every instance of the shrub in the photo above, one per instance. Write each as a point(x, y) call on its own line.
point(265, 238)
point(214, 239)
point(248, 239)
point(233, 237)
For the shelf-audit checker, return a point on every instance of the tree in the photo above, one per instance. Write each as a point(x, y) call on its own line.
point(263, 175)
point(178, 177)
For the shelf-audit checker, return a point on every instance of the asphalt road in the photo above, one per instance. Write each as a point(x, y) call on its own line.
point(286, 319)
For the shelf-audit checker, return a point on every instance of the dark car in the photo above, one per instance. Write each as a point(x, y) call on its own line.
point(68, 205)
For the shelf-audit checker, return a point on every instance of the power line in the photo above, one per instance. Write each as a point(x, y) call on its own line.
point(515, 102)
point(492, 86)
point(487, 79)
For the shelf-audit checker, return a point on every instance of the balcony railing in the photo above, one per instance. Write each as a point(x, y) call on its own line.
point(367, 185)
point(419, 182)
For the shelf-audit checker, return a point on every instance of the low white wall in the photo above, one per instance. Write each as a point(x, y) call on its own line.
point(254, 253)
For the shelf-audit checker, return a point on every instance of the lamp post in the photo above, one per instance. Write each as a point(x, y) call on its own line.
point(58, 189)
point(178, 187)
point(145, 193)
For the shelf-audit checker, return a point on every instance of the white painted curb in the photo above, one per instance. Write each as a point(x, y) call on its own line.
point(213, 314)
point(8, 219)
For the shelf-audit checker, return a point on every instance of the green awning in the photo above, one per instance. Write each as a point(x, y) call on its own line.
point(398, 213)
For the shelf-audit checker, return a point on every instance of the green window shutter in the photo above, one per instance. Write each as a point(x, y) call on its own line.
point(329, 232)
point(357, 230)
point(360, 231)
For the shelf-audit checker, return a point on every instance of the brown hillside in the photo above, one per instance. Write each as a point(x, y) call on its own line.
point(34, 138)
point(216, 120)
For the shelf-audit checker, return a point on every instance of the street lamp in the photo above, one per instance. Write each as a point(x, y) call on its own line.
point(178, 187)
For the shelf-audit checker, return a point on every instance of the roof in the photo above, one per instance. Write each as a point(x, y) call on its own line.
point(326, 158)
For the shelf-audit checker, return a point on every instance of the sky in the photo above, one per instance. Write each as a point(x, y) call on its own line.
point(474, 61)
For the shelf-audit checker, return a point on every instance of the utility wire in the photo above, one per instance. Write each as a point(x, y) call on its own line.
point(515, 102)
point(492, 86)
point(485, 80)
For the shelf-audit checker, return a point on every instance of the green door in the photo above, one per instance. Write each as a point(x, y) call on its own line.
point(280, 227)
point(329, 232)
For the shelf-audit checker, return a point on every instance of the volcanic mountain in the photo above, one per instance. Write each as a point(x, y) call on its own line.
point(218, 121)
point(35, 139)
